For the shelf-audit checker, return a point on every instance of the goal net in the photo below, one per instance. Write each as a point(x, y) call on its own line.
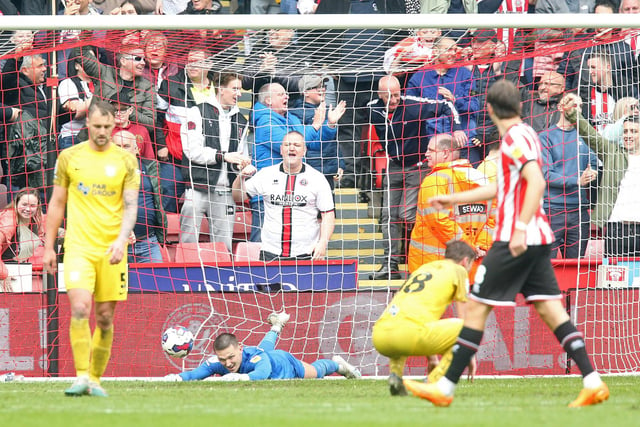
point(201, 266)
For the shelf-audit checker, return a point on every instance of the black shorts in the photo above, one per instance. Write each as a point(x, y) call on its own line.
point(501, 276)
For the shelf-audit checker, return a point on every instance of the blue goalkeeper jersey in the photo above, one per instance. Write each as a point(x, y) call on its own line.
point(256, 362)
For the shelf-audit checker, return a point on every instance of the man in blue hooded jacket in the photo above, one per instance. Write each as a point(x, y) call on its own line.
point(271, 121)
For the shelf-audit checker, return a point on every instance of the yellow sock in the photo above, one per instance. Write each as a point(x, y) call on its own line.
point(100, 353)
point(80, 335)
point(441, 369)
point(396, 365)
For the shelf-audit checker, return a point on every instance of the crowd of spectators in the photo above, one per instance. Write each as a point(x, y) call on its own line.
point(182, 112)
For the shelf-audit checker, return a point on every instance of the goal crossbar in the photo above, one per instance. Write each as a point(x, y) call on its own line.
point(338, 21)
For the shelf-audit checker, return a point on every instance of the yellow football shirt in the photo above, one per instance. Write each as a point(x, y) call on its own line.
point(428, 291)
point(95, 182)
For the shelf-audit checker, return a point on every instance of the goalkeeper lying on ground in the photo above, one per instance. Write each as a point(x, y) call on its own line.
point(235, 362)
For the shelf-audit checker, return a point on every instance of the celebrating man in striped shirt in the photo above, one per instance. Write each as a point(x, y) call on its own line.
point(294, 195)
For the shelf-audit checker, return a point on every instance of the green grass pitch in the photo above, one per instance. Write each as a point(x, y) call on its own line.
point(309, 403)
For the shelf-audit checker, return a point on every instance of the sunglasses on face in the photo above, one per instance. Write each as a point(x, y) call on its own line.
point(135, 58)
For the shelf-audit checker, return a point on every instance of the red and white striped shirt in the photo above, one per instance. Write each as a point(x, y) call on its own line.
point(602, 105)
point(291, 206)
point(634, 43)
point(507, 35)
point(520, 145)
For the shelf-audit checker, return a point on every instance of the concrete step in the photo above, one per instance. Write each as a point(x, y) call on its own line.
point(356, 225)
point(366, 256)
point(366, 268)
point(346, 195)
point(356, 236)
point(354, 253)
point(380, 284)
point(352, 210)
point(355, 242)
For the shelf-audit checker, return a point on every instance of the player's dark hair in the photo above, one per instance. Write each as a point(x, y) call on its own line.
point(224, 341)
point(105, 108)
point(459, 250)
point(504, 98)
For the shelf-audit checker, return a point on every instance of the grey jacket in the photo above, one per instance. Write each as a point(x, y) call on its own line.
point(615, 160)
point(442, 6)
point(108, 83)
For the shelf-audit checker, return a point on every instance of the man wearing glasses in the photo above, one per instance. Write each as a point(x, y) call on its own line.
point(125, 82)
point(540, 108)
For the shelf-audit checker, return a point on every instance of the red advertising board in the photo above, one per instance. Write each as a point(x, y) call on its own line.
point(322, 324)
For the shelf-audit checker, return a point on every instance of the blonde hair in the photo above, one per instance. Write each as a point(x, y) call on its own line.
point(622, 107)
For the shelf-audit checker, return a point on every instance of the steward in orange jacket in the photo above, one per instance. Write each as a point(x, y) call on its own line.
point(470, 222)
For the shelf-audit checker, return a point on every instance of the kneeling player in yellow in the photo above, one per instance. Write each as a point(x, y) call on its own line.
point(98, 183)
point(411, 325)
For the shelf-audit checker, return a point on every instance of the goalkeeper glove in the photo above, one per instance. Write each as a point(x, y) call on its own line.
point(172, 377)
point(235, 377)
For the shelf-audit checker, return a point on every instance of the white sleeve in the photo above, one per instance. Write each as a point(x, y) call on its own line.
point(67, 90)
point(193, 139)
point(252, 185)
point(324, 198)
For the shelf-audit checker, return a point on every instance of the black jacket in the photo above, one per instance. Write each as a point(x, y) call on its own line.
point(205, 176)
point(404, 136)
point(20, 92)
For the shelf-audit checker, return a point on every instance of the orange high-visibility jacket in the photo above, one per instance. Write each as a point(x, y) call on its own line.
point(470, 222)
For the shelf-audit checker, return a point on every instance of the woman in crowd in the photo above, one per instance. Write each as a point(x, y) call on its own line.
point(21, 231)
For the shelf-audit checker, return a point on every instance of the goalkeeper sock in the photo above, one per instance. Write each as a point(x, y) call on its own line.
point(268, 343)
point(466, 346)
point(80, 336)
point(571, 340)
point(101, 352)
point(325, 367)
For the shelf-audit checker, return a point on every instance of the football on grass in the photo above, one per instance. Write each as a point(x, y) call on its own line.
point(177, 341)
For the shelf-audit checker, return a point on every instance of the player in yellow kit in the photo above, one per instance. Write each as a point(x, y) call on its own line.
point(98, 183)
point(411, 325)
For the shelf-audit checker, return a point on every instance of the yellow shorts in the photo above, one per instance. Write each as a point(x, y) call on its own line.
point(93, 272)
point(406, 337)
